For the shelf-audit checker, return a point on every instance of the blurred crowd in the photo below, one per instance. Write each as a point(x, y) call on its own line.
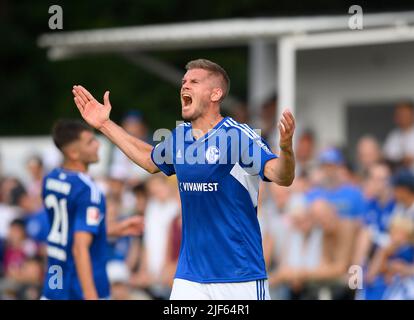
point(345, 208)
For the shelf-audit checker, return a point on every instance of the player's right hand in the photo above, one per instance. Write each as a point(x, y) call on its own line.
point(94, 113)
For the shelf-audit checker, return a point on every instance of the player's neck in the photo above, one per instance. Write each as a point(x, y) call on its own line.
point(205, 123)
point(75, 166)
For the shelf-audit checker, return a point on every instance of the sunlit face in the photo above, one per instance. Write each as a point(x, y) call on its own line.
point(404, 116)
point(159, 189)
point(379, 179)
point(34, 168)
point(86, 148)
point(199, 88)
point(304, 149)
point(303, 221)
point(330, 174)
point(368, 152)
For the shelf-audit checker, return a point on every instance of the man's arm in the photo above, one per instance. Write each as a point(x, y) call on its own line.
point(97, 115)
point(282, 169)
point(80, 249)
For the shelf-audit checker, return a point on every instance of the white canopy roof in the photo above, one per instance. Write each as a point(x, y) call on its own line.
point(204, 34)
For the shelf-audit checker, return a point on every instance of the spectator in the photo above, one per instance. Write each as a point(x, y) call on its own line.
point(268, 122)
point(17, 248)
point(173, 246)
point(273, 222)
point(348, 199)
point(162, 208)
point(337, 245)
point(25, 283)
point(8, 210)
point(403, 182)
point(380, 206)
point(305, 153)
point(34, 186)
point(301, 251)
point(141, 198)
point(121, 167)
point(173, 251)
point(136, 245)
point(394, 263)
point(118, 247)
point(35, 219)
point(368, 154)
point(1, 168)
point(399, 144)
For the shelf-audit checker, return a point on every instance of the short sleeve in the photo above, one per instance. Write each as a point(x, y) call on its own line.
point(162, 156)
point(360, 206)
point(255, 152)
point(89, 211)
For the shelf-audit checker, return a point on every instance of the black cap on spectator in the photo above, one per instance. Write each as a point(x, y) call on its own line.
point(404, 178)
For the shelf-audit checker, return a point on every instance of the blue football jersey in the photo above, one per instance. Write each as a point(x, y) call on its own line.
point(218, 178)
point(73, 203)
point(347, 199)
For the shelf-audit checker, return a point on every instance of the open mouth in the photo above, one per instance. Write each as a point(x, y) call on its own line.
point(187, 99)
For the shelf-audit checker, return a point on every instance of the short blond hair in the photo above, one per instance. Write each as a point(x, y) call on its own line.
point(214, 69)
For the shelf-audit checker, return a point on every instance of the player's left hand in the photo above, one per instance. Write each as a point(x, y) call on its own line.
point(286, 129)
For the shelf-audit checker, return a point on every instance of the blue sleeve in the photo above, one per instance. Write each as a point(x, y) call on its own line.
point(88, 214)
point(312, 195)
point(162, 156)
point(367, 216)
point(255, 152)
point(360, 206)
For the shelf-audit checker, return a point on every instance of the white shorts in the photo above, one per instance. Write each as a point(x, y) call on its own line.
point(189, 290)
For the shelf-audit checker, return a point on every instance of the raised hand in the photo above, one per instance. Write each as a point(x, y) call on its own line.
point(286, 129)
point(94, 113)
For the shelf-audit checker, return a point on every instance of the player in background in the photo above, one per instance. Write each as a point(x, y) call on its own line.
point(221, 254)
point(76, 243)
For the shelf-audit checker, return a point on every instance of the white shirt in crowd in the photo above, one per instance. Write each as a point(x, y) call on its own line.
point(158, 218)
point(7, 215)
point(399, 144)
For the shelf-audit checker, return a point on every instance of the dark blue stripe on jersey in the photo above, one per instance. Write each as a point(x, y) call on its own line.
point(257, 289)
point(261, 289)
point(264, 291)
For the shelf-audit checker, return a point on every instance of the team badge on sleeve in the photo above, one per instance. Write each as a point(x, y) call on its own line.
point(93, 217)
